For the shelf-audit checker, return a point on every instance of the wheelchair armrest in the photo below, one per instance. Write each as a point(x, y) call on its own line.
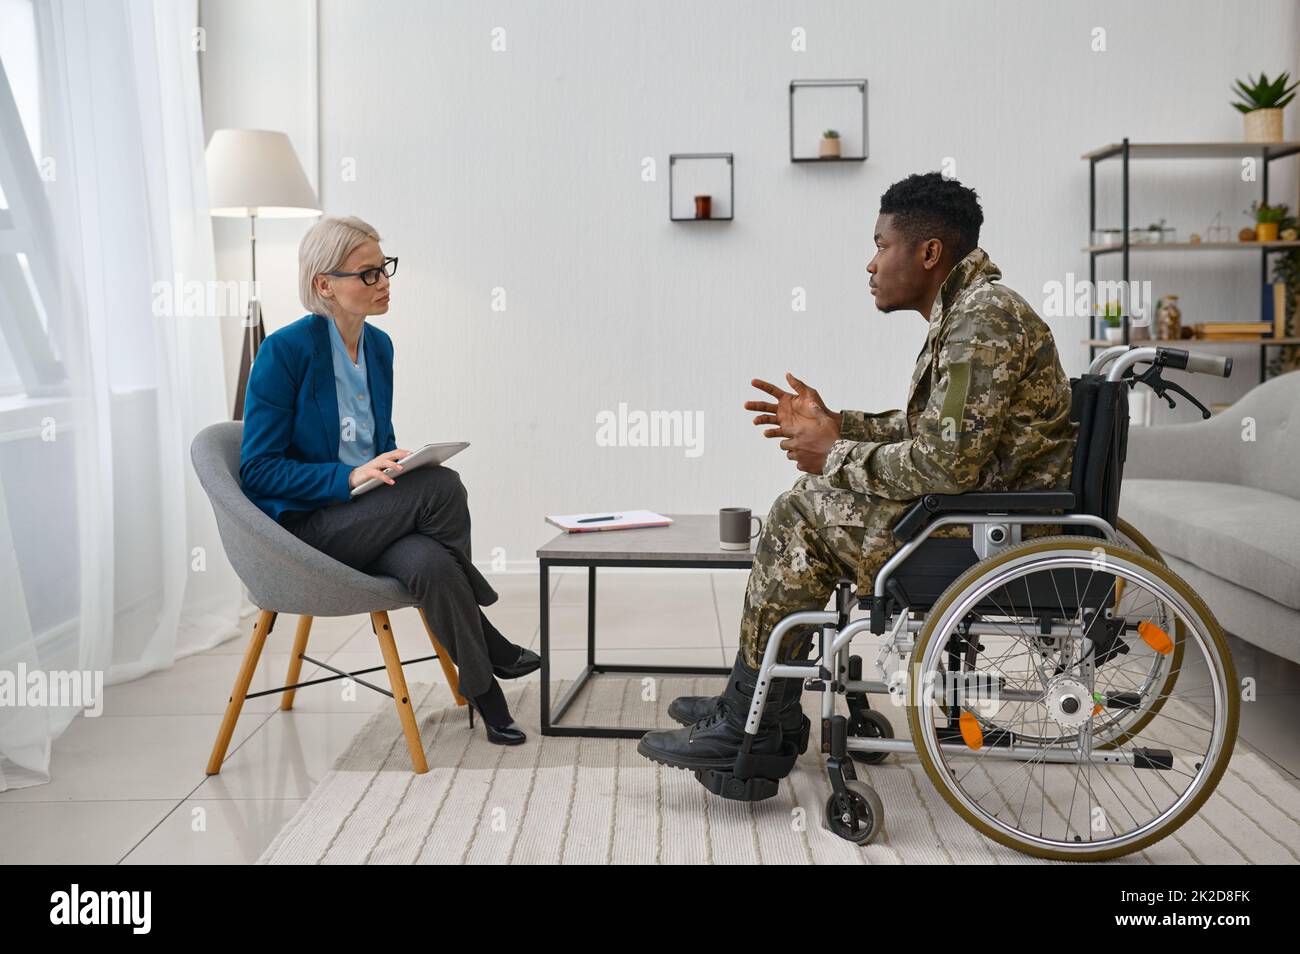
point(1002, 501)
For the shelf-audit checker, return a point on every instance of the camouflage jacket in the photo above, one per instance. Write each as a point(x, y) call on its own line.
point(988, 407)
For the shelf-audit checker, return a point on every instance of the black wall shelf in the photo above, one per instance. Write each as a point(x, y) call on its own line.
point(728, 158)
point(861, 85)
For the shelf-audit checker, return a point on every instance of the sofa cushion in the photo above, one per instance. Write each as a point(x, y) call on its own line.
point(1243, 534)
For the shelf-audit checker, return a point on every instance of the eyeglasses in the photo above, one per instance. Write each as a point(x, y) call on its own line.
point(370, 275)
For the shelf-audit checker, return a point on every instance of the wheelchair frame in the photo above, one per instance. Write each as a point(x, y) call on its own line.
point(835, 672)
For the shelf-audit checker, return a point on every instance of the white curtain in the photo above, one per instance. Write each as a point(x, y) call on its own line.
point(109, 553)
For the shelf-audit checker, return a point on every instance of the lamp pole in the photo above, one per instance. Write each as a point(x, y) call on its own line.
point(250, 170)
point(254, 333)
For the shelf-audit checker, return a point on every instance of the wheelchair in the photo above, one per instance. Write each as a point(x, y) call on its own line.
point(1069, 696)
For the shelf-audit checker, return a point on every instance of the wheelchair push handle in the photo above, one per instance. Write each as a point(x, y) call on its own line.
point(1157, 359)
point(1197, 362)
point(1122, 358)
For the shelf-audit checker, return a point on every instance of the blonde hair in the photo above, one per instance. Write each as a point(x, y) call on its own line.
point(325, 248)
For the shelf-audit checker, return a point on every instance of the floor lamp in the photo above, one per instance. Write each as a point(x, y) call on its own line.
point(252, 174)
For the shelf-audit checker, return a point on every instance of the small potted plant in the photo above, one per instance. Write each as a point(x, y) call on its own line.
point(1268, 219)
point(1114, 330)
point(1261, 103)
point(829, 147)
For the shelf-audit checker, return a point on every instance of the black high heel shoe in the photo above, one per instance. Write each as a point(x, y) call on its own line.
point(510, 734)
point(527, 662)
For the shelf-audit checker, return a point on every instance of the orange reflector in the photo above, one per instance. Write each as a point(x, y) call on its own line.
point(1096, 709)
point(971, 732)
point(1155, 637)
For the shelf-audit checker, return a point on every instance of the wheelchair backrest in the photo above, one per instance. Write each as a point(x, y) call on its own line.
point(1101, 409)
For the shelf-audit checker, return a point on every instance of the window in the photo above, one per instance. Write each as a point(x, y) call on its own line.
point(28, 364)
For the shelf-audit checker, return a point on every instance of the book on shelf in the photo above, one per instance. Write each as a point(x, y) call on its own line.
point(1273, 307)
point(1232, 330)
point(1236, 327)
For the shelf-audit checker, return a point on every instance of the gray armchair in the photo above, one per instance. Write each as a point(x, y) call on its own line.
point(285, 575)
point(1220, 498)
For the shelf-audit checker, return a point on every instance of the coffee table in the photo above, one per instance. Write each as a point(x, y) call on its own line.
point(690, 542)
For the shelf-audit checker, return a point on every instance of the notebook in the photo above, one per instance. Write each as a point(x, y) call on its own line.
point(619, 520)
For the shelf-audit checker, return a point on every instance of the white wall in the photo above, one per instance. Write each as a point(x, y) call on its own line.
point(522, 170)
point(259, 72)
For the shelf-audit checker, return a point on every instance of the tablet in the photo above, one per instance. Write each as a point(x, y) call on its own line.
point(428, 454)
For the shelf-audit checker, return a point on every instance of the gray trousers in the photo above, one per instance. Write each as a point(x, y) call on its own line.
point(417, 531)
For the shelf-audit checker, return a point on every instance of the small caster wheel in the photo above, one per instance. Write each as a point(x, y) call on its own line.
point(870, 724)
point(857, 814)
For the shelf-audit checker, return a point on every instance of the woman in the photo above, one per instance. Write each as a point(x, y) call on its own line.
point(317, 423)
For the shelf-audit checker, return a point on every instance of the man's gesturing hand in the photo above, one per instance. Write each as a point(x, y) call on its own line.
point(807, 426)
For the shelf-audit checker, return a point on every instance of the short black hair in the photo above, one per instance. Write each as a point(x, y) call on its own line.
point(926, 206)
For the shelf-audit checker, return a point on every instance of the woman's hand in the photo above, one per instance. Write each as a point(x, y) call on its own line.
point(376, 468)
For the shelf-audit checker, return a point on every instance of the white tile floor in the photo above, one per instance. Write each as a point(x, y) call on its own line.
point(130, 787)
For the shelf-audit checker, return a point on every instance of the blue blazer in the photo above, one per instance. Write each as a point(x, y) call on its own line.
point(290, 454)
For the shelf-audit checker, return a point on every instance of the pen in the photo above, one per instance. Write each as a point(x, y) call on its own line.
point(597, 519)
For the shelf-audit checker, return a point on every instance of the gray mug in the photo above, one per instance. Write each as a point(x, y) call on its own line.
point(734, 524)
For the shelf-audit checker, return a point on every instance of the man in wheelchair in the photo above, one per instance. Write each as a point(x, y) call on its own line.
point(988, 409)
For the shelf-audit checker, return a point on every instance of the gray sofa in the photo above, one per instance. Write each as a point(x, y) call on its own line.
point(1225, 511)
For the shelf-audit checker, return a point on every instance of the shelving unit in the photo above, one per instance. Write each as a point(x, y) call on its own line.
point(1127, 152)
point(1192, 247)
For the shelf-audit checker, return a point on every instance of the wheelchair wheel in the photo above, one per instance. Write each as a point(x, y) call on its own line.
point(870, 724)
point(1137, 673)
point(1164, 667)
point(1131, 537)
point(856, 814)
point(1055, 778)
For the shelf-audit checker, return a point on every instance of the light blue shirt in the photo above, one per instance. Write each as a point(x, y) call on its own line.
point(353, 390)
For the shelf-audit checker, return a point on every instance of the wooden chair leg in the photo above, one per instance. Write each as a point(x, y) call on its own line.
point(295, 661)
point(246, 669)
point(448, 667)
point(405, 711)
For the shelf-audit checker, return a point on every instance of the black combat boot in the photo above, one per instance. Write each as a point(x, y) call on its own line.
point(795, 726)
point(714, 741)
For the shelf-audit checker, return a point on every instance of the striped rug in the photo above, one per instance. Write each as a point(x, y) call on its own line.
point(595, 801)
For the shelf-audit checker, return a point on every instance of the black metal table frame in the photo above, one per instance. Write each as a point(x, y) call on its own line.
point(550, 717)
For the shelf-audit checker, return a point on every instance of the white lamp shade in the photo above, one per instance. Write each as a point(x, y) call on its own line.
point(256, 172)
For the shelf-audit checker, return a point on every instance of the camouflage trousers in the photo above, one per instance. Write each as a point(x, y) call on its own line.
point(815, 535)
